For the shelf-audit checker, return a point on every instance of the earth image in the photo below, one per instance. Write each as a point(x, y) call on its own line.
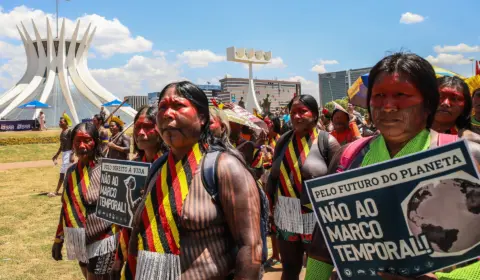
point(446, 212)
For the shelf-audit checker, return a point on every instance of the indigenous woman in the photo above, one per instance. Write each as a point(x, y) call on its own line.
point(297, 158)
point(219, 125)
point(475, 124)
point(148, 146)
point(345, 128)
point(274, 125)
point(179, 230)
point(89, 239)
point(403, 98)
point(453, 112)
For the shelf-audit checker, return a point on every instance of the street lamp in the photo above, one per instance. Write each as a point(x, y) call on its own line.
point(251, 57)
point(473, 65)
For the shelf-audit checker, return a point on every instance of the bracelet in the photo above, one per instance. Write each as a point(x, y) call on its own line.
point(58, 240)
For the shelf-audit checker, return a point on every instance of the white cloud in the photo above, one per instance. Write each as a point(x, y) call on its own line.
point(460, 48)
point(448, 59)
point(199, 58)
point(410, 18)
point(140, 75)
point(8, 50)
point(111, 36)
point(308, 87)
point(320, 67)
point(328, 62)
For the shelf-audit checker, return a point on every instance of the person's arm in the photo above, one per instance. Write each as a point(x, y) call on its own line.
point(354, 128)
point(59, 150)
point(240, 201)
point(333, 148)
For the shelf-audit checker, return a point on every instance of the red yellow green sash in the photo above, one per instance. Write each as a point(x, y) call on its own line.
point(290, 169)
point(158, 237)
point(73, 197)
point(257, 158)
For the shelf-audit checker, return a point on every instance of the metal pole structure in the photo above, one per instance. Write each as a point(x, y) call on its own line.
point(473, 66)
point(330, 85)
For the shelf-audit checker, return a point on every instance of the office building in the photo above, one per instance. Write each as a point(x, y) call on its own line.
point(137, 101)
point(334, 85)
point(215, 91)
point(280, 92)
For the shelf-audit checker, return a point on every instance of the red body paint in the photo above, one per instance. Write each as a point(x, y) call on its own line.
point(302, 118)
point(390, 91)
point(451, 97)
point(178, 120)
point(144, 126)
point(84, 145)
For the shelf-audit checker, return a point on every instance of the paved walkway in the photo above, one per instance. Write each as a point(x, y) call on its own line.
point(27, 164)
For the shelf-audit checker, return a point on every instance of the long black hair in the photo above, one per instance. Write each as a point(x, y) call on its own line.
point(308, 101)
point(414, 68)
point(89, 128)
point(463, 121)
point(277, 125)
point(150, 113)
point(199, 99)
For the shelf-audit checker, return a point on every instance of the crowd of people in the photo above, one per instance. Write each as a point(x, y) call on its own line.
point(213, 181)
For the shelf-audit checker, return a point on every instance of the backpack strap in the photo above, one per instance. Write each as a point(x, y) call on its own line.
point(444, 139)
point(322, 142)
point(209, 174)
point(351, 151)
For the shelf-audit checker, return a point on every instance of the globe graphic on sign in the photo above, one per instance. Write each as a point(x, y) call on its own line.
point(447, 212)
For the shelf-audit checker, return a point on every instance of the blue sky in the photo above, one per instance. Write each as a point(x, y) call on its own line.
point(142, 45)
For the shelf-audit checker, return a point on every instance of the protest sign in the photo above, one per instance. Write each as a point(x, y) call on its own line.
point(408, 216)
point(121, 185)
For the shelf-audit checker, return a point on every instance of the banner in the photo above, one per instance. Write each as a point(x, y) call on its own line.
point(17, 125)
point(121, 184)
point(408, 216)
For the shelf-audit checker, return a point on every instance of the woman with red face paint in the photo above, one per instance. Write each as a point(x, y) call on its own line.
point(89, 239)
point(475, 124)
point(345, 128)
point(300, 154)
point(148, 146)
point(453, 113)
point(403, 98)
point(179, 229)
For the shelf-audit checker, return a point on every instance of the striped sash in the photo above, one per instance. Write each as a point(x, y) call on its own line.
point(291, 182)
point(257, 158)
point(75, 214)
point(158, 237)
point(290, 215)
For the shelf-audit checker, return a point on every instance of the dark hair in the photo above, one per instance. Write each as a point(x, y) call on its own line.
point(150, 113)
point(99, 118)
point(199, 99)
point(89, 128)
point(286, 127)
point(308, 101)
point(277, 125)
point(417, 70)
point(120, 128)
point(463, 121)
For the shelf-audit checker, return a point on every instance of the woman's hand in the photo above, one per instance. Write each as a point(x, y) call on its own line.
point(57, 251)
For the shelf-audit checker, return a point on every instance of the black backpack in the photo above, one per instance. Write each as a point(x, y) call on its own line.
point(209, 180)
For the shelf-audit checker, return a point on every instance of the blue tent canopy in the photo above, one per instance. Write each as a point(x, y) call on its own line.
point(35, 104)
point(116, 103)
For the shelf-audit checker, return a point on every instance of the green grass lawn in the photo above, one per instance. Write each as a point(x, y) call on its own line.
point(28, 225)
point(27, 152)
